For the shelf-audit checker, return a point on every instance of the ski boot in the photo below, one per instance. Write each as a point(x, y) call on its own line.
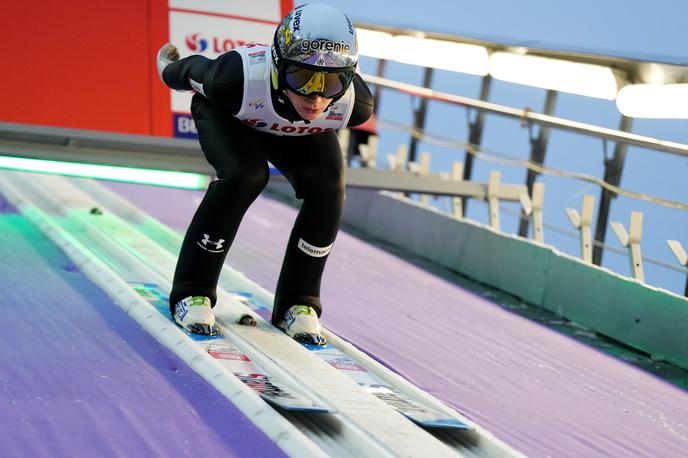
point(301, 323)
point(194, 314)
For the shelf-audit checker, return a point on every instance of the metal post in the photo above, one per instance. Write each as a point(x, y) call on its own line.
point(457, 203)
point(493, 199)
point(475, 134)
point(538, 200)
point(612, 175)
point(419, 115)
point(424, 169)
point(381, 64)
point(538, 147)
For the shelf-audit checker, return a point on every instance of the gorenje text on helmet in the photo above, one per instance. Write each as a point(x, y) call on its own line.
point(324, 45)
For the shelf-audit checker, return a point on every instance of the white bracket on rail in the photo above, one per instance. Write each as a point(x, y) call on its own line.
point(424, 169)
point(493, 198)
point(533, 207)
point(679, 252)
point(457, 175)
point(397, 162)
point(583, 223)
point(632, 241)
point(368, 151)
point(682, 257)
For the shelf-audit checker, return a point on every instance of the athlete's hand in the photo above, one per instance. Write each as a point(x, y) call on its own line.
point(171, 52)
point(167, 54)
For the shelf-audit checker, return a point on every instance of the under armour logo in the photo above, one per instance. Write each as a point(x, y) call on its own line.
point(211, 246)
point(206, 241)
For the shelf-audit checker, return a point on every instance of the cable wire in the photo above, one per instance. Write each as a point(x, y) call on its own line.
point(497, 157)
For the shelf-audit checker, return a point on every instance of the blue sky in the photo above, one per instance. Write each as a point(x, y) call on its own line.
point(629, 28)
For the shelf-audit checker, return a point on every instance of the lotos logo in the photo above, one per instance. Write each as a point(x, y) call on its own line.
point(288, 129)
point(195, 42)
point(259, 123)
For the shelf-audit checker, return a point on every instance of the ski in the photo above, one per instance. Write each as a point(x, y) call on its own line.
point(420, 414)
point(268, 387)
point(410, 406)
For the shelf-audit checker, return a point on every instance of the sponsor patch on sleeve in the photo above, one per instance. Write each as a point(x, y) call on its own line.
point(315, 251)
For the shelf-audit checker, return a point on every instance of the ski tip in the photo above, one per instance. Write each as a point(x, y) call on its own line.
point(445, 423)
point(202, 329)
point(307, 338)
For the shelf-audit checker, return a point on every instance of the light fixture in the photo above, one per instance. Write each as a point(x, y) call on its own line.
point(376, 44)
point(555, 74)
point(440, 54)
point(128, 174)
point(663, 101)
point(425, 52)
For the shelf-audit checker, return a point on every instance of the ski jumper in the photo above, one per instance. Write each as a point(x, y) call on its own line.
point(242, 124)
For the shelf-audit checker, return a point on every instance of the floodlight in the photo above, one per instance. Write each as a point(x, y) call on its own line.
point(440, 54)
point(555, 74)
point(424, 52)
point(372, 43)
point(667, 101)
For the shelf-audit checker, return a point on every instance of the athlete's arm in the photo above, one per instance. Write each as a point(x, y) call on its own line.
point(363, 103)
point(220, 80)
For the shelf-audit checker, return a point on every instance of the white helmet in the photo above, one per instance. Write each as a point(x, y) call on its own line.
point(314, 51)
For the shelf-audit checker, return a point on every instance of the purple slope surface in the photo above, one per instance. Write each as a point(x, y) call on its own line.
point(78, 377)
point(538, 390)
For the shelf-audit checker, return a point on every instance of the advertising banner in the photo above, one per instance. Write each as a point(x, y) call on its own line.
point(213, 27)
point(268, 10)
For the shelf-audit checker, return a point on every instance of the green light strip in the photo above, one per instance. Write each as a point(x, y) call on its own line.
point(182, 180)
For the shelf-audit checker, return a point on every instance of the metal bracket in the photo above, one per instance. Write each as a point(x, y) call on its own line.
point(583, 222)
point(682, 258)
point(679, 252)
point(424, 169)
point(368, 151)
point(631, 240)
point(397, 162)
point(532, 207)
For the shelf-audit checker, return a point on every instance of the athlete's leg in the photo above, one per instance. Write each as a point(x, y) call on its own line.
point(233, 150)
point(314, 166)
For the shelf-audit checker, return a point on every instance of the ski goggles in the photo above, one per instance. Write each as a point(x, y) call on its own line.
point(329, 84)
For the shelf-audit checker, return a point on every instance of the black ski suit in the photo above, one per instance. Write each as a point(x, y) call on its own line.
point(313, 164)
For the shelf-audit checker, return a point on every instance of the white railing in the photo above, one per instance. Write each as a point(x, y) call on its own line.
point(531, 203)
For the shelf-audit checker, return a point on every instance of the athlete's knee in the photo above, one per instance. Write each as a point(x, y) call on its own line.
point(328, 186)
point(246, 184)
